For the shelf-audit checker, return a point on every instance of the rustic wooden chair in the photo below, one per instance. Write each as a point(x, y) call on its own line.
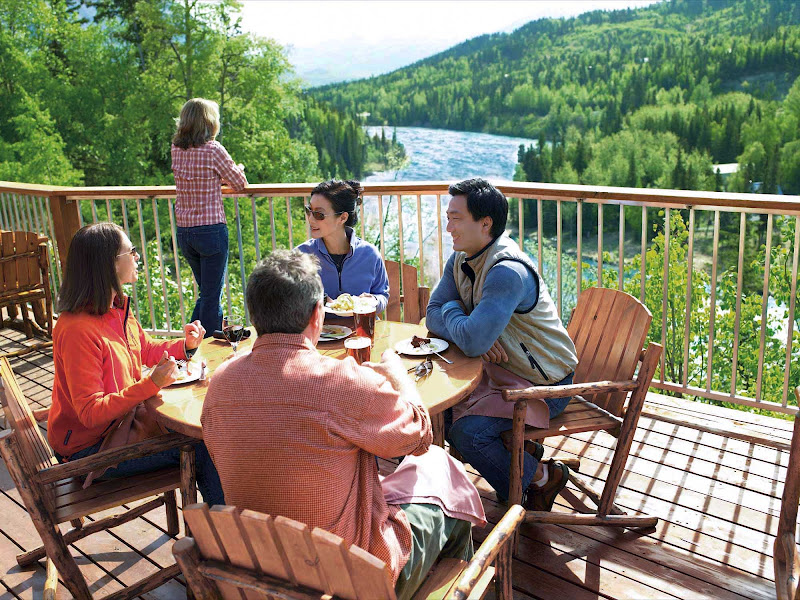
point(25, 278)
point(413, 299)
point(609, 329)
point(785, 555)
point(268, 557)
point(53, 493)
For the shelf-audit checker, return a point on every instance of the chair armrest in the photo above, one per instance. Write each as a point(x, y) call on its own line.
point(545, 392)
point(41, 415)
point(114, 456)
point(502, 534)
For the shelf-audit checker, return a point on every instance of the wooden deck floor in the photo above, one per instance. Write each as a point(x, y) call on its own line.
point(718, 500)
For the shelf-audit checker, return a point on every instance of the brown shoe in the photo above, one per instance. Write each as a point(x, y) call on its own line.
point(543, 498)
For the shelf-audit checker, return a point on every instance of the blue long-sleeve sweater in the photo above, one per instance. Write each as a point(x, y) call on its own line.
point(363, 270)
point(508, 286)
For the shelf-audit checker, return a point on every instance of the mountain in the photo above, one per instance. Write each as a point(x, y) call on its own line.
point(712, 77)
point(554, 71)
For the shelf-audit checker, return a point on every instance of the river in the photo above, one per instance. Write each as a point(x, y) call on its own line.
point(442, 154)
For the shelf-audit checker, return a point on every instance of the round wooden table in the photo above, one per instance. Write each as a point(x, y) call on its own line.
point(179, 407)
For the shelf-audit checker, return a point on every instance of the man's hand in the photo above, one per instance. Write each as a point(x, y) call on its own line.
point(392, 368)
point(495, 354)
point(165, 372)
point(194, 333)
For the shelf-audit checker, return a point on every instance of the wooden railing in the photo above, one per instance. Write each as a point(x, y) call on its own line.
point(715, 335)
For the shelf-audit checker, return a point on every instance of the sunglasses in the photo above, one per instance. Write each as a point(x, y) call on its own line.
point(318, 215)
point(133, 250)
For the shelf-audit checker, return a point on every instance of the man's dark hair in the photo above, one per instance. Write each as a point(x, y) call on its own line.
point(483, 200)
point(90, 276)
point(282, 291)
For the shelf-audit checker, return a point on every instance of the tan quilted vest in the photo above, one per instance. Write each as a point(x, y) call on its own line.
point(538, 346)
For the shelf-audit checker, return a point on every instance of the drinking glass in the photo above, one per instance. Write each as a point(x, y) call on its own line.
point(358, 348)
point(364, 310)
point(233, 329)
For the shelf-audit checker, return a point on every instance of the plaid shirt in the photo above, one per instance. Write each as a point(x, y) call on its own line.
point(199, 173)
point(294, 433)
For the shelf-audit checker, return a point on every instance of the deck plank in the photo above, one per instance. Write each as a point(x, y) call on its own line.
point(718, 499)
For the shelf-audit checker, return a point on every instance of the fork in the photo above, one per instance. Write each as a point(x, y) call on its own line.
point(429, 348)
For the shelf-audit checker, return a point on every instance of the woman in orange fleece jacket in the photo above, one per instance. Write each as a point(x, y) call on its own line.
point(98, 351)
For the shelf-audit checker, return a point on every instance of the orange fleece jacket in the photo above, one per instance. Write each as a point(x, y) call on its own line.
point(98, 374)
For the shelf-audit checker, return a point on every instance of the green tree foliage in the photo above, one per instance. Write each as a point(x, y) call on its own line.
point(710, 74)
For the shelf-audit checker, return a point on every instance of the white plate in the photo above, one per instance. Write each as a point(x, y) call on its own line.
point(184, 378)
point(338, 313)
point(331, 333)
point(436, 345)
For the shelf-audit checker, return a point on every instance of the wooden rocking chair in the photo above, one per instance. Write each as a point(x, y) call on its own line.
point(609, 329)
point(236, 552)
point(785, 555)
point(53, 493)
point(25, 278)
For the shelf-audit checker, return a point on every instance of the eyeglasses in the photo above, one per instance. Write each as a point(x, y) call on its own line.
point(318, 215)
point(133, 250)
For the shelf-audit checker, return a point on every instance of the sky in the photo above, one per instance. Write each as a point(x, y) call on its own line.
point(346, 39)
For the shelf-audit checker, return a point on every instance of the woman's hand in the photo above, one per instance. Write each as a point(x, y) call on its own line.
point(165, 372)
point(194, 333)
point(496, 354)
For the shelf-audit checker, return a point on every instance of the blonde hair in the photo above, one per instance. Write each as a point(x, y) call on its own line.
point(198, 123)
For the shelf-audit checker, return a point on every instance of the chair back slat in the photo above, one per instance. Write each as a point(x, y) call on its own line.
point(296, 540)
point(31, 242)
point(9, 269)
point(34, 447)
point(393, 312)
point(260, 530)
point(411, 311)
point(204, 532)
point(231, 537)
point(287, 550)
point(370, 575)
point(332, 552)
point(609, 328)
point(408, 301)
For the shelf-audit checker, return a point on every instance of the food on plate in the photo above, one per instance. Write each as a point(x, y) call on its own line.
point(331, 330)
point(343, 303)
point(417, 341)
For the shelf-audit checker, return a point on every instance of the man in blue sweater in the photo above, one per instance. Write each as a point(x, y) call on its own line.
point(492, 302)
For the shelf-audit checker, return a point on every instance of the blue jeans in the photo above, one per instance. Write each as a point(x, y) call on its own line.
point(205, 248)
point(478, 440)
point(207, 477)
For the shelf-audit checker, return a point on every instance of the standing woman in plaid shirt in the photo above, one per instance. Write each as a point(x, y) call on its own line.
point(201, 165)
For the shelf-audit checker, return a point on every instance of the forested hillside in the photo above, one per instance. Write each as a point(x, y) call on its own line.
point(650, 97)
point(89, 91)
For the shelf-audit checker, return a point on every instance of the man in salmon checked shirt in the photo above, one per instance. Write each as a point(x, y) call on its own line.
point(296, 433)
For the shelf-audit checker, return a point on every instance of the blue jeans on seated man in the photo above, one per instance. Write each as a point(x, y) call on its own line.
point(478, 440)
point(205, 248)
point(207, 477)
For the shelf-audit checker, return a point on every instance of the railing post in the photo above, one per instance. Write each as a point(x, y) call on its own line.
point(66, 222)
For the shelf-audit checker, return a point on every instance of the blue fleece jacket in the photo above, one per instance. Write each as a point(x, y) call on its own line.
point(362, 271)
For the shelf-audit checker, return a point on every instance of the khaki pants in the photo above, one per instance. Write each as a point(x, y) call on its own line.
point(434, 535)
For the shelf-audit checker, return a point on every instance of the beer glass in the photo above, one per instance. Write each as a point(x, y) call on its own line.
point(359, 348)
point(364, 310)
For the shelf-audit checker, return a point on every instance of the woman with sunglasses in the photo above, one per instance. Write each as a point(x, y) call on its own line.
point(99, 349)
point(348, 264)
